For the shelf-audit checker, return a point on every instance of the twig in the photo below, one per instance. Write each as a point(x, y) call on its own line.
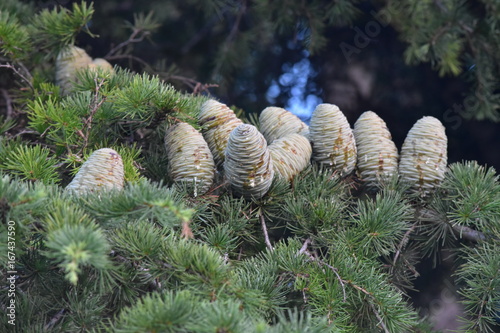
point(186, 232)
point(195, 85)
point(304, 246)
point(94, 106)
point(355, 286)
point(403, 243)
point(381, 321)
point(55, 319)
point(304, 296)
point(26, 77)
point(240, 253)
point(201, 33)
point(131, 57)
point(131, 39)
point(232, 33)
point(264, 229)
point(8, 103)
point(411, 268)
point(25, 131)
point(342, 281)
point(303, 249)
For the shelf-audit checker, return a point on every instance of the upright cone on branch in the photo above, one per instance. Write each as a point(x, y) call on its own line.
point(290, 154)
point(377, 153)
point(103, 170)
point(277, 122)
point(102, 65)
point(217, 121)
point(424, 155)
point(332, 140)
point(190, 161)
point(248, 165)
point(68, 62)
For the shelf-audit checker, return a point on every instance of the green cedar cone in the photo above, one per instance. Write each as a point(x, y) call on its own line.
point(217, 121)
point(377, 153)
point(277, 122)
point(189, 158)
point(103, 170)
point(424, 154)
point(291, 154)
point(332, 139)
point(68, 62)
point(248, 165)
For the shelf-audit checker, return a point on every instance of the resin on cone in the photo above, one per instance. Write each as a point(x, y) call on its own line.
point(290, 154)
point(424, 155)
point(332, 140)
point(277, 122)
point(103, 170)
point(248, 165)
point(217, 121)
point(190, 161)
point(377, 153)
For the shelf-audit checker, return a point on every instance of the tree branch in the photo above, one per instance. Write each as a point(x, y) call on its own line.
point(462, 232)
point(381, 321)
point(403, 243)
point(468, 233)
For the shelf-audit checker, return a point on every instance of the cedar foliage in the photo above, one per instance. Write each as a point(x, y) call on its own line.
point(341, 259)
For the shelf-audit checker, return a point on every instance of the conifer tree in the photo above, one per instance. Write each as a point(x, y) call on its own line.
point(140, 251)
